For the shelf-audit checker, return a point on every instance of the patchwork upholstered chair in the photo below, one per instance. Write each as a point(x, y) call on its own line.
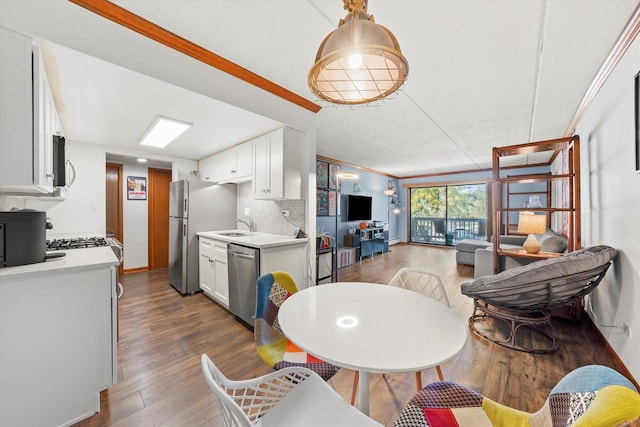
point(588, 396)
point(522, 297)
point(288, 397)
point(272, 346)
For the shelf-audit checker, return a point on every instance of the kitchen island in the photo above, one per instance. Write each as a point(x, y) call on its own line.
point(232, 260)
point(58, 331)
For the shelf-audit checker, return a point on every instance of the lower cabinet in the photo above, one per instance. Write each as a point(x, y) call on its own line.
point(58, 342)
point(214, 279)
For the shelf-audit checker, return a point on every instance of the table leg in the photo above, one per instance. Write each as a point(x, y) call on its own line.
point(363, 392)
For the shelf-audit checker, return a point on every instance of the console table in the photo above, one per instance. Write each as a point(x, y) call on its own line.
point(368, 241)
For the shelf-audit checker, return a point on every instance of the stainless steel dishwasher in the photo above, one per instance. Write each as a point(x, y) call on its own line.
point(243, 264)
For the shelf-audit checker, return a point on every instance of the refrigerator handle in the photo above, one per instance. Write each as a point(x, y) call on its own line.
point(186, 213)
point(184, 230)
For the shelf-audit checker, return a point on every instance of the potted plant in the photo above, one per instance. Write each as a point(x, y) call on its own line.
point(323, 239)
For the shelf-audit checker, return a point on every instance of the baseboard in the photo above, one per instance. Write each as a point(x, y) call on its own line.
point(394, 241)
point(135, 270)
point(612, 352)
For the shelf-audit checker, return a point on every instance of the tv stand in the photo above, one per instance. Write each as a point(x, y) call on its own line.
point(368, 241)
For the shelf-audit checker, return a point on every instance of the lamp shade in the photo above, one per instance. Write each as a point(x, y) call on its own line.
point(530, 223)
point(359, 62)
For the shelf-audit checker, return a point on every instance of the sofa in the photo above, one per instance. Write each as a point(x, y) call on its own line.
point(479, 253)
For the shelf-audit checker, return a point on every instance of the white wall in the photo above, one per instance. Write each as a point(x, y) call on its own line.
point(610, 206)
point(135, 222)
point(82, 212)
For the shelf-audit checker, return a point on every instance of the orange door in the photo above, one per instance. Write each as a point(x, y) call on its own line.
point(158, 205)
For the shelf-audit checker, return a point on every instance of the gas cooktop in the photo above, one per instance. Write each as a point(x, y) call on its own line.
point(76, 243)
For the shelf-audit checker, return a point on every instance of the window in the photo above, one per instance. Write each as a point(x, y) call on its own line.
point(444, 215)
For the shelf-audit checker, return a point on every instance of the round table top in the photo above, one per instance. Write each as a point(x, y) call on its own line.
point(372, 327)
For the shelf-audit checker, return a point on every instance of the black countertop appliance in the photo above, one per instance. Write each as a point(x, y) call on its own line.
point(22, 237)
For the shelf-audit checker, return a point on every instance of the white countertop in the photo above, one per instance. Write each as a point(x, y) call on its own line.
point(253, 239)
point(75, 258)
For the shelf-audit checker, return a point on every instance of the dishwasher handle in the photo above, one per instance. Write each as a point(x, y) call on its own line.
point(243, 256)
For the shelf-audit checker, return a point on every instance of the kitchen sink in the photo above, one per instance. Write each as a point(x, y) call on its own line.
point(234, 234)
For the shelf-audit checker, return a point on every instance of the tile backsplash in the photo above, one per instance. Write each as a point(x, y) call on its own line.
point(267, 215)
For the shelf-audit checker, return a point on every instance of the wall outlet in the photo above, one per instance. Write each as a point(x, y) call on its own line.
point(246, 211)
point(626, 330)
point(285, 213)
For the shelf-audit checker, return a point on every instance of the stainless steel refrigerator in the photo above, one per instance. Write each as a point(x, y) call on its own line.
point(195, 206)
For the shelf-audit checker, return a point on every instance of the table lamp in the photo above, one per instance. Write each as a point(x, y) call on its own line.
point(530, 223)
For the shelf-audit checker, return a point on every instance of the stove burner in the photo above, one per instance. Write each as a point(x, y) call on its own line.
point(75, 243)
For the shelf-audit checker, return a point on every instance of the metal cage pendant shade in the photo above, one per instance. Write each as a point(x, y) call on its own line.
point(359, 62)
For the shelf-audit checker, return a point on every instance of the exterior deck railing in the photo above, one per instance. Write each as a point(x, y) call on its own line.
point(446, 231)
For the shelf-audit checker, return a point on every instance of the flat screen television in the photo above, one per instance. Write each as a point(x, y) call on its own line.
point(359, 208)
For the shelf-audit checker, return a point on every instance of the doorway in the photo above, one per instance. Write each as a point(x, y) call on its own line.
point(158, 217)
point(114, 203)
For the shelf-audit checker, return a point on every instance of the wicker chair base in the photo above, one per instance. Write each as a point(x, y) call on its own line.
point(538, 321)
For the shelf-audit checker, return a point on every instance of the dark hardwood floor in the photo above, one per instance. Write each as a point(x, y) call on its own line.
point(163, 334)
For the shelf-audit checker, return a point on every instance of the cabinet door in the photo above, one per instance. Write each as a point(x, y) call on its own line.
point(207, 274)
point(16, 112)
point(276, 164)
point(261, 169)
point(244, 159)
point(207, 268)
point(44, 126)
point(366, 248)
point(229, 163)
point(221, 292)
point(210, 168)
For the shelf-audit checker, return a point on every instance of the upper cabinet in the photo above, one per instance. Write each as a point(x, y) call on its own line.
point(210, 168)
point(237, 163)
point(231, 165)
point(277, 165)
point(28, 116)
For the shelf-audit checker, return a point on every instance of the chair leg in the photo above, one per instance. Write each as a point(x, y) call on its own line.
point(439, 370)
point(356, 377)
point(419, 380)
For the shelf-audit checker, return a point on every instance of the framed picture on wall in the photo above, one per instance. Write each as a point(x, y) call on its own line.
point(136, 188)
point(322, 202)
point(333, 203)
point(322, 174)
point(637, 117)
point(334, 182)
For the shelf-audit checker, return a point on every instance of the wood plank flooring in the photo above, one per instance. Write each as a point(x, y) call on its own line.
point(163, 334)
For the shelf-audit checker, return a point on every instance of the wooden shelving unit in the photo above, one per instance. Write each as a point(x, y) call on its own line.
point(504, 187)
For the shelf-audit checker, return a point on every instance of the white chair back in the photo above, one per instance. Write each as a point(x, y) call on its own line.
point(421, 281)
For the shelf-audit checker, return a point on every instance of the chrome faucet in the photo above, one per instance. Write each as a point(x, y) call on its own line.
point(248, 222)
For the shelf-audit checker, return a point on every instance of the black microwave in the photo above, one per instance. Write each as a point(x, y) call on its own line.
point(59, 162)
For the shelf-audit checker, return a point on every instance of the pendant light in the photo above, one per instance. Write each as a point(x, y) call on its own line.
point(359, 62)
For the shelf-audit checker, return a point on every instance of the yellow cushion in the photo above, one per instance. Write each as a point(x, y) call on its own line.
point(613, 405)
point(503, 416)
point(272, 353)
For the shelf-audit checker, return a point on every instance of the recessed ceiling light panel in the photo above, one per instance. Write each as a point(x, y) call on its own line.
point(162, 131)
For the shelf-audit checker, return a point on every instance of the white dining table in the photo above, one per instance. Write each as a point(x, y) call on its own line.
point(372, 328)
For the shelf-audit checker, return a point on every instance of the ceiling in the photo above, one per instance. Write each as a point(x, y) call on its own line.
point(482, 73)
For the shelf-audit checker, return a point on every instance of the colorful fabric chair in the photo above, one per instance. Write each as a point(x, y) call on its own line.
point(271, 344)
point(586, 397)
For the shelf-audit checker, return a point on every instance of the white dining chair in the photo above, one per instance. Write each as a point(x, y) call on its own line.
point(426, 283)
point(288, 397)
point(423, 282)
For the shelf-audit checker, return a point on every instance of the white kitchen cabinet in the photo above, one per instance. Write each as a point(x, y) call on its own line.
point(214, 279)
point(210, 168)
point(58, 338)
point(237, 162)
point(278, 158)
point(28, 115)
